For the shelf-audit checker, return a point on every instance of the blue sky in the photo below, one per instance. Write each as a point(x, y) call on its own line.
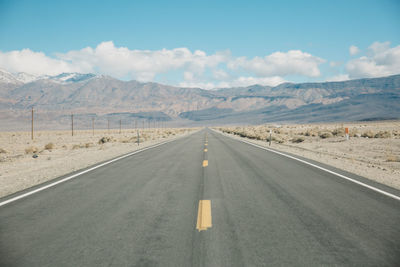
point(241, 41)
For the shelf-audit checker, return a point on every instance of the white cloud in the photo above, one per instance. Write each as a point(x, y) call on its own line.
point(353, 50)
point(238, 82)
point(36, 63)
point(108, 59)
point(197, 68)
point(143, 64)
point(188, 76)
point(381, 60)
point(246, 81)
point(280, 64)
point(220, 74)
point(334, 64)
point(338, 78)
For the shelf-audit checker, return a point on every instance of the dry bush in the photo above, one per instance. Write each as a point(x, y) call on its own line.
point(87, 145)
point(298, 139)
point(338, 132)
point(383, 134)
point(77, 146)
point(368, 134)
point(31, 149)
point(49, 146)
point(354, 133)
point(310, 133)
point(104, 140)
point(392, 158)
point(2, 151)
point(324, 135)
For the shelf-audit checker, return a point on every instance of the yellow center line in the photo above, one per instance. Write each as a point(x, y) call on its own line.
point(204, 215)
point(205, 144)
point(205, 149)
point(205, 163)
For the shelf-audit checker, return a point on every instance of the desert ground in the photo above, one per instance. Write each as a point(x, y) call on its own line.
point(372, 151)
point(25, 162)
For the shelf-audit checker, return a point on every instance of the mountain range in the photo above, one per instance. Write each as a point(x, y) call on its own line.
point(88, 95)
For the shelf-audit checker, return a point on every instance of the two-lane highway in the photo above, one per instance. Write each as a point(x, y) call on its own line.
point(203, 200)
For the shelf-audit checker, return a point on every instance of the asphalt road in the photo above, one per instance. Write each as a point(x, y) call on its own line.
point(266, 210)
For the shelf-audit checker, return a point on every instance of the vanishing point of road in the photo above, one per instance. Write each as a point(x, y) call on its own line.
point(203, 200)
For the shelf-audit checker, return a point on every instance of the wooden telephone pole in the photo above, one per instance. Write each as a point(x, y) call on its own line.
point(32, 125)
point(72, 124)
point(93, 126)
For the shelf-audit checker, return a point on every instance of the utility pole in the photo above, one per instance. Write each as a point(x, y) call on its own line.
point(72, 124)
point(32, 125)
point(93, 126)
point(138, 137)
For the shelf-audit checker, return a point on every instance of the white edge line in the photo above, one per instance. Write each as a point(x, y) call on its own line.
point(87, 170)
point(318, 167)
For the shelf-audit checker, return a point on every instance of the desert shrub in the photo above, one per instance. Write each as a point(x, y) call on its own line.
point(31, 149)
point(354, 133)
point(383, 134)
point(49, 146)
point(104, 140)
point(324, 135)
point(368, 134)
point(298, 139)
point(76, 146)
point(338, 132)
point(392, 158)
point(2, 151)
point(310, 133)
point(87, 145)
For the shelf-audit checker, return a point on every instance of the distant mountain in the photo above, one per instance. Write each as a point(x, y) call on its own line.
point(56, 96)
point(22, 77)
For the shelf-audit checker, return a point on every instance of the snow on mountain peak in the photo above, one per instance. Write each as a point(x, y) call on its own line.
point(63, 78)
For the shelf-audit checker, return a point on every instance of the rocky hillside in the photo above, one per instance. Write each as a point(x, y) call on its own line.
point(103, 96)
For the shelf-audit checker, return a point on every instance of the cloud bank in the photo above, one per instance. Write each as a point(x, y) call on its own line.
point(197, 68)
point(380, 60)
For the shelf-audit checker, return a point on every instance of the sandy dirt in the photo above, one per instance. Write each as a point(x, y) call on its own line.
point(372, 151)
point(59, 153)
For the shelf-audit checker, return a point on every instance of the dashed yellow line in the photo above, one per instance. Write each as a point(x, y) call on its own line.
point(205, 163)
point(204, 215)
point(205, 149)
point(206, 144)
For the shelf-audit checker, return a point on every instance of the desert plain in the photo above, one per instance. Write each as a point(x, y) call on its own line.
point(372, 150)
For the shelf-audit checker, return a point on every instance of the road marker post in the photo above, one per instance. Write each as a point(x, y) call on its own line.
point(270, 137)
point(138, 137)
point(347, 133)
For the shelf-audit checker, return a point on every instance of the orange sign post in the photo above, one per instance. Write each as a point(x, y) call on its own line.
point(346, 130)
